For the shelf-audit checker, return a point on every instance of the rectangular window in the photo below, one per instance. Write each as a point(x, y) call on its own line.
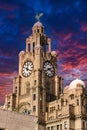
point(35, 81)
point(46, 109)
point(38, 30)
point(51, 127)
point(8, 104)
point(72, 96)
point(86, 125)
point(16, 90)
point(58, 107)
point(65, 125)
point(34, 108)
point(50, 109)
point(60, 126)
point(77, 102)
point(27, 90)
point(48, 128)
point(41, 107)
point(53, 108)
point(33, 46)
point(83, 124)
point(34, 96)
point(57, 127)
point(29, 47)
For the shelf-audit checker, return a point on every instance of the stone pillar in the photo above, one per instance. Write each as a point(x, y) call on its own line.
point(49, 44)
point(56, 85)
point(31, 47)
point(27, 41)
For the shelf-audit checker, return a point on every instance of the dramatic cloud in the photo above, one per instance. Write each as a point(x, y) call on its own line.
point(65, 23)
point(6, 80)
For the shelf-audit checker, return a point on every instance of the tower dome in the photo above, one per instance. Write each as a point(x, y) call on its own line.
point(39, 24)
point(75, 83)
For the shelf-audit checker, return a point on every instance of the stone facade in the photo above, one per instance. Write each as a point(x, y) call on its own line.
point(70, 110)
point(38, 93)
point(15, 121)
point(37, 82)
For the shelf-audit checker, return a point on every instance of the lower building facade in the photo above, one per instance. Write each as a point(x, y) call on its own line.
point(16, 121)
point(68, 112)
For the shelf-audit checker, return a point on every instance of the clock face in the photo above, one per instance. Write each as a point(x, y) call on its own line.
point(27, 68)
point(48, 69)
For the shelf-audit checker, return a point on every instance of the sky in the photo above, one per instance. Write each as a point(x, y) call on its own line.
point(65, 22)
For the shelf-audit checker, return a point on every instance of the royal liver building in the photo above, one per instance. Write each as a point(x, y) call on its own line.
point(39, 100)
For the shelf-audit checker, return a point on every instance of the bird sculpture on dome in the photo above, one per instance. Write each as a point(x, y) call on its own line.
point(38, 16)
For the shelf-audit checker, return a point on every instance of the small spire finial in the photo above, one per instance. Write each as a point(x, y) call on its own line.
point(38, 16)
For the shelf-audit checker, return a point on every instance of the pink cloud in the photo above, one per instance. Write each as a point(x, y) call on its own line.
point(11, 16)
point(7, 7)
point(6, 86)
point(68, 36)
point(84, 28)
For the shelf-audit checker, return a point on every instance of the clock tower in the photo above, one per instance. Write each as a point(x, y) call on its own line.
point(37, 82)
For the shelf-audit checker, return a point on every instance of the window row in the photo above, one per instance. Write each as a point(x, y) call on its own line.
point(58, 127)
point(52, 109)
point(59, 106)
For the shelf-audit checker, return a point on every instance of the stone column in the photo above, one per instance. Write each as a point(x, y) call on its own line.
point(49, 44)
point(27, 42)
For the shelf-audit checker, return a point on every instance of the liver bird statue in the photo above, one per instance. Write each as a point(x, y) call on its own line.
point(38, 16)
